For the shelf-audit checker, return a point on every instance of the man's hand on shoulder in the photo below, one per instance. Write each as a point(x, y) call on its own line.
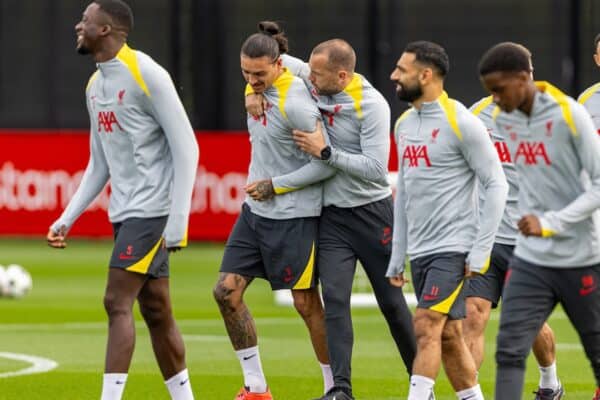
point(311, 142)
point(255, 104)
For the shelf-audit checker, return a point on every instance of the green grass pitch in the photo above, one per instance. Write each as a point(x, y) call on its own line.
point(63, 320)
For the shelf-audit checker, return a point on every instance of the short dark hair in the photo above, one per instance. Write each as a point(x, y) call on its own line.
point(339, 53)
point(431, 54)
point(505, 57)
point(275, 30)
point(261, 45)
point(596, 41)
point(119, 11)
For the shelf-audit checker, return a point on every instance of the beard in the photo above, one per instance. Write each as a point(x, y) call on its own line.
point(83, 50)
point(409, 93)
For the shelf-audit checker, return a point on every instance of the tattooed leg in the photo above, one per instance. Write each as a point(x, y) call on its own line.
point(229, 292)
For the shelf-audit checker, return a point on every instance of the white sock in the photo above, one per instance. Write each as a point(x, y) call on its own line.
point(548, 377)
point(421, 387)
point(254, 378)
point(473, 393)
point(113, 386)
point(179, 386)
point(327, 377)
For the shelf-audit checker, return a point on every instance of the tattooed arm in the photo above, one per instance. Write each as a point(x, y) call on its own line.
point(261, 190)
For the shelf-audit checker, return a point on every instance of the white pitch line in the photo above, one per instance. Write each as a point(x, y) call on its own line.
point(38, 364)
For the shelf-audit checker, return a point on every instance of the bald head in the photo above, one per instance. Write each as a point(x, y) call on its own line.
point(339, 54)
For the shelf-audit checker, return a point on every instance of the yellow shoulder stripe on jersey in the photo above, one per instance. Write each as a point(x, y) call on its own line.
point(486, 266)
point(449, 107)
point(282, 84)
point(143, 265)
point(495, 113)
point(307, 276)
point(445, 305)
point(585, 96)
point(128, 57)
point(562, 101)
point(248, 90)
point(355, 90)
point(92, 79)
point(483, 104)
point(401, 118)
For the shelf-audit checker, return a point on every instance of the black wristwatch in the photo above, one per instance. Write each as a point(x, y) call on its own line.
point(326, 153)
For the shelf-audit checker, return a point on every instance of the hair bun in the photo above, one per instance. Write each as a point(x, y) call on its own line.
point(269, 27)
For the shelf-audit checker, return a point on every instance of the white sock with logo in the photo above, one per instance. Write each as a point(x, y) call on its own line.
point(179, 386)
point(254, 378)
point(473, 393)
point(421, 387)
point(327, 377)
point(548, 377)
point(113, 386)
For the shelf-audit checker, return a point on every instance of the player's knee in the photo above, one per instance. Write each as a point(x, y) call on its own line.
point(154, 314)
point(451, 335)
point(426, 329)
point(225, 296)
point(476, 317)
point(114, 306)
point(307, 303)
point(336, 298)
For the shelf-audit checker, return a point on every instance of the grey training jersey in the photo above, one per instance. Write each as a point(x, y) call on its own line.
point(550, 148)
point(275, 153)
point(443, 150)
point(590, 99)
point(485, 109)
point(140, 139)
point(357, 123)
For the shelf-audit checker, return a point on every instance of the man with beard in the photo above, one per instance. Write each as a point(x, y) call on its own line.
point(142, 140)
point(443, 150)
point(356, 220)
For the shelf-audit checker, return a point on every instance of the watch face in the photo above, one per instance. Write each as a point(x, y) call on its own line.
point(326, 153)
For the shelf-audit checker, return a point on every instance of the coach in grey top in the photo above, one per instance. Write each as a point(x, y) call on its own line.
point(142, 140)
point(552, 140)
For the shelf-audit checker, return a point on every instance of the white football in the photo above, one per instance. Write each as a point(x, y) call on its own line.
point(18, 281)
point(3, 281)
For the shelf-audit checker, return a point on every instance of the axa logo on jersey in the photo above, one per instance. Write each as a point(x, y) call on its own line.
point(532, 153)
point(106, 120)
point(415, 154)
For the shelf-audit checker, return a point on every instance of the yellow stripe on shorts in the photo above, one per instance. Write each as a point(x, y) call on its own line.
point(143, 265)
point(445, 305)
point(307, 276)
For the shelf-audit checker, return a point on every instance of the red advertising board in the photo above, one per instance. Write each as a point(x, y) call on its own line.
point(40, 171)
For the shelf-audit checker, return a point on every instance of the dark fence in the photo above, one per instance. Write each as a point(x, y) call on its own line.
point(42, 79)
